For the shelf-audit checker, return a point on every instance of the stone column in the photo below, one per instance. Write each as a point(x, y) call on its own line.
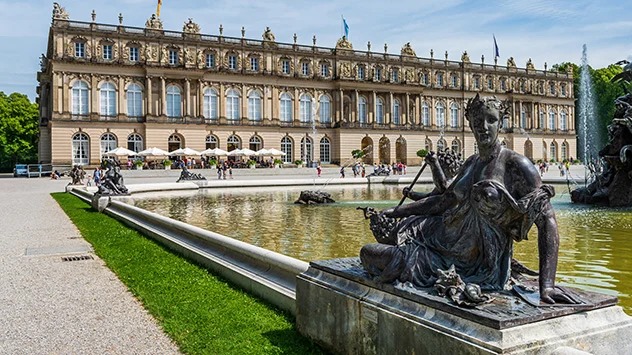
point(60, 83)
point(149, 98)
point(200, 105)
point(418, 110)
point(340, 113)
point(94, 97)
point(374, 105)
point(389, 109)
point(405, 118)
point(355, 112)
point(187, 94)
point(244, 102)
point(220, 102)
point(296, 116)
point(520, 115)
point(163, 96)
point(122, 108)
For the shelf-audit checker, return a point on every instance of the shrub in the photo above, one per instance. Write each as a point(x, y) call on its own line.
point(298, 162)
point(251, 162)
point(577, 161)
point(552, 161)
point(278, 162)
point(138, 163)
point(212, 162)
point(422, 153)
point(358, 153)
point(167, 163)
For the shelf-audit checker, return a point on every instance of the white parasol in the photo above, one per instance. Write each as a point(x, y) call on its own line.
point(214, 152)
point(120, 152)
point(185, 152)
point(153, 152)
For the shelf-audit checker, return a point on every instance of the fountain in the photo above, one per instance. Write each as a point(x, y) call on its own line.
point(588, 132)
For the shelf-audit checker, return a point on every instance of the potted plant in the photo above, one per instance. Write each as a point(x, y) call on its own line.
point(212, 163)
point(139, 164)
point(277, 163)
point(299, 163)
point(422, 153)
point(358, 153)
point(251, 164)
point(167, 163)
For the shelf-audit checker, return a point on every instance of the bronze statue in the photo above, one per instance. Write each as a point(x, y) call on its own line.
point(112, 183)
point(471, 223)
point(185, 174)
point(310, 197)
point(77, 174)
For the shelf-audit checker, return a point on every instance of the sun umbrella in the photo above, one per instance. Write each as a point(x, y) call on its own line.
point(236, 153)
point(185, 152)
point(214, 152)
point(153, 152)
point(120, 152)
point(262, 153)
point(248, 152)
point(276, 152)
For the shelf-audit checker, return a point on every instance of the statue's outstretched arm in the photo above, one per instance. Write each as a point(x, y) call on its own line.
point(429, 206)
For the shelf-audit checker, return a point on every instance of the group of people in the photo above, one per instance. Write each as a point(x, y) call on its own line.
point(359, 169)
point(223, 169)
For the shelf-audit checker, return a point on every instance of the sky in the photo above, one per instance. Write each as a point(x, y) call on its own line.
point(548, 31)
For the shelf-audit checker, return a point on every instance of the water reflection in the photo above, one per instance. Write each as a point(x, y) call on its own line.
point(594, 247)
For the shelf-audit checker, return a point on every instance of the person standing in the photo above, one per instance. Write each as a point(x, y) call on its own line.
point(97, 176)
point(219, 172)
point(342, 172)
point(319, 169)
point(230, 171)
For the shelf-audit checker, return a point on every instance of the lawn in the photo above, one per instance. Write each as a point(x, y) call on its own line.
point(201, 312)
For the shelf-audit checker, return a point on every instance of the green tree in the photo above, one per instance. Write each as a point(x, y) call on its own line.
point(18, 130)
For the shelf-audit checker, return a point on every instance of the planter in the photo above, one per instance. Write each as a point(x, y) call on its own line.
point(167, 167)
point(277, 166)
point(139, 167)
point(252, 166)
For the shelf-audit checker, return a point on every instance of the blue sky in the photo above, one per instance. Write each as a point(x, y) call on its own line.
point(546, 31)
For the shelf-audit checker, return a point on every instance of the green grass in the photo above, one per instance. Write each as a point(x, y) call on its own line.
point(201, 312)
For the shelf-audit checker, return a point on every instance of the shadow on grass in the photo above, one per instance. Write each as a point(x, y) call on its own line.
point(285, 340)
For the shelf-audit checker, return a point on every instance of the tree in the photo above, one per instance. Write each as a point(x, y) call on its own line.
point(18, 130)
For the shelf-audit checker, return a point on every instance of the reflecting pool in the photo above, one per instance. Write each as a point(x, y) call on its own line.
point(595, 252)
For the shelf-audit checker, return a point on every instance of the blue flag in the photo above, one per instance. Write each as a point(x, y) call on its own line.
point(496, 53)
point(344, 22)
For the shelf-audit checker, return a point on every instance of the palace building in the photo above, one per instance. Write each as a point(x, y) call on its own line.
point(103, 86)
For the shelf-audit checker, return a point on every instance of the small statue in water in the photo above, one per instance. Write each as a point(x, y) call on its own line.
point(187, 175)
point(472, 223)
point(309, 197)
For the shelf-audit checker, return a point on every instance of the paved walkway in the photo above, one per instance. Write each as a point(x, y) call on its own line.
point(52, 307)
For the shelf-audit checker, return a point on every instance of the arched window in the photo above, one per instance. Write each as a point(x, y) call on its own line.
point(135, 142)
point(108, 99)
point(286, 147)
point(80, 149)
point(553, 150)
point(325, 150)
point(254, 106)
point(440, 145)
point(440, 117)
point(212, 142)
point(173, 101)
point(108, 142)
point(362, 110)
point(255, 143)
point(425, 114)
point(306, 150)
point(286, 107)
point(325, 109)
point(551, 120)
point(80, 98)
point(563, 122)
point(232, 105)
point(210, 103)
point(305, 108)
point(233, 142)
point(456, 146)
point(174, 142)
point(564, 151)
point(428, 144)
point(379, 111)
point(134, 100)
point(454, 115)
point(523, 118)
point(396, 112)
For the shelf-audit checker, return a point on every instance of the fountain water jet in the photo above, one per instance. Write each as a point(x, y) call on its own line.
point(588, 133)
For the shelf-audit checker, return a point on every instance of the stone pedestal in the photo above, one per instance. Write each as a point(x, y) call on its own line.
point(339, 307)
point(100, 202)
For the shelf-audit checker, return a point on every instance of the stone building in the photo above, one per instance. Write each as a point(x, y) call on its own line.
point(103, 86)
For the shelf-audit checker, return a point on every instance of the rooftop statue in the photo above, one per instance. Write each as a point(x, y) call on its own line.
point(472, 223)
point(465, 58)
point(59, 13)
point(408, 50)
point(154, 23)
point(343, 43)
point(511, 62)
point(191, 27)
point(530, 65)
point(268, 36)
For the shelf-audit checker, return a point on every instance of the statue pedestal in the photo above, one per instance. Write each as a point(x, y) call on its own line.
point(100, 202)
point(341, 309)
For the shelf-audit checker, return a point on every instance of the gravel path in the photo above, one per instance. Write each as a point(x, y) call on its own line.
point(52, 307)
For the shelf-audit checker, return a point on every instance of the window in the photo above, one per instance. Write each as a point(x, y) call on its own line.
point(286, 147)
point(551, 120)
point(305, 108)
point(564, 151)
point(455, 81)
point(210, 104)
point(541, 88)
point(361, 72)
point(456, 146)
point(80, 98)
point(254, 64)
point(173, 57)
point(306, 150)
point(174, 142)
point(305, 68)
point(378, 74)
point(440, 109)
point(563, 89)
point(553, 151)
point(522, 86)
point(232, 105)
point(454, 116)
point(396, 112)
point(285, 66)
point(325, 150)
point(133, 54)
point(255, 143)
point(425, 114)
point(441, 145)
point(424, 78)
point(379, 111)
point(108, 142)
point(210, 60)
point(395, 76)
point(135, 142)
point(134, 101)
point(286, 107)
point(233, 143)
point(80, 149)
point(254, 106)
point(439, 79)
point(503, 84)
point(552, 88)
point(563, 121)
point(541, 120)
point(173, 101)
point(324, 70)
point(523, 118)
point(362, 110)
point(80, 50)
point(490, 83)
point(325, 109)
point(232, 62)
point(212, 142)
point(477, 82)
point(108, 99)
point(107, 52)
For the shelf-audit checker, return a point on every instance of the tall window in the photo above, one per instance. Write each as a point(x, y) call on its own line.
point(305, 68)
point(425, 114)
point(306, 150)
point(285, 67)
point(80, 149)
point(424, 78)
point(80, 50)
point(210, 60)
point(396, 112)
point(503, 84)
point(551, 120)
point(563, 89)
point(440, 79)
point(378, 74)
point(254, 64)
point(212, 142)
point(477, 82)
point(233, 143)
point(173, 57)
point(286, 147)
point(552, 88)
point(305, 108)
point(325, 150)
point(395, 76)
point(108, 142)
point(523, 118)
point(255, 143)
point(440, 115)
point(134, 101)
point(454, 116)
point(285, 107)
point(174, 142)
point(173, 101)
point(210, 103)
point(254, 106)
point(441, 145)
point(563, 121)
point(490, 83)
point(135, 142)
point(362, 110)
point(553, 151)
point(541, 120)
point(232, 62)
point(454, 81)
point(379, 111)
point(324, 70)
point(107, 52)
point(325, 109)
point(232, 104)
point(564, 150)
point(361, 72)
point(80, 98)
point(133, 54)
point(108, 99)
point(456, 146)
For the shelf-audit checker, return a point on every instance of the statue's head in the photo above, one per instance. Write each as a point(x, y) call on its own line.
point(486, 118)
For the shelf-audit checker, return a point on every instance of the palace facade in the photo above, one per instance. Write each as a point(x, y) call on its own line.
point(103, 86)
